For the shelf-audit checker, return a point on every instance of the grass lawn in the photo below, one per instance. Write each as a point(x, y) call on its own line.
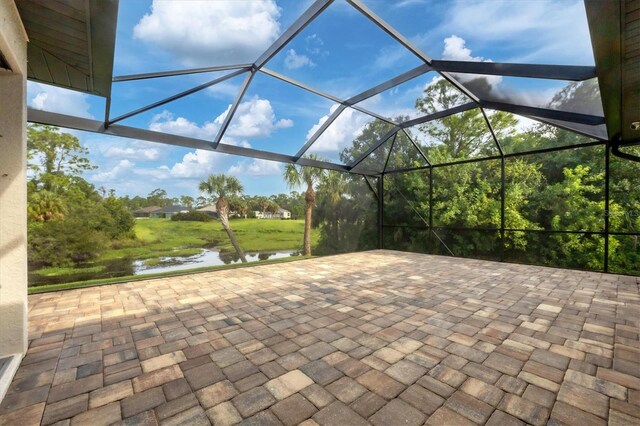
point(164, 237)
point(158, 238)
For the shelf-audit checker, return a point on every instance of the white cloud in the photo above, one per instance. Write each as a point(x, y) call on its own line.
point(340, 133)
point(202, 33)
point(257, 167)
point(294, 61)
point(315, 45)
point(542, 31)
point(493, 87)
point(166, 122)
point(284, 123)
point(56, 99)
point(455, 49)
point(253, 119)
point(197, 164)
point(120, 170)
point(145, 154)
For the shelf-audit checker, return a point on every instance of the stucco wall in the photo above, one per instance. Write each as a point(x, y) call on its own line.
point(13, 190)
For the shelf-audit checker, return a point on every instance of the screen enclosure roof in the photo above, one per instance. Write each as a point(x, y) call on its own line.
point(78, 48)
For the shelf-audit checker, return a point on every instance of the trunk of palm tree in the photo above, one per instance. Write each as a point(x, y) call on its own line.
point(223, 214)
point(310, 198)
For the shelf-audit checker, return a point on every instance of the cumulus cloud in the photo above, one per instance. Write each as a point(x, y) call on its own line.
point(294, 61)
point(57, 99)
point(340, 133)
point(284, 123)
point(195, 164)
point(257, 167)
point(202, 33)
point(119, 170)
point(166, 122)
point(455, 49)
point(254, 118)
point(145, 154)
point(491, 87)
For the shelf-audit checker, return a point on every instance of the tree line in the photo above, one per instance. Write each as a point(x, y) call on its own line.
point(554, 202)
point(242, 205)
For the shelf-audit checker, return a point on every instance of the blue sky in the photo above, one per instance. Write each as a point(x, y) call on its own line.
point(341, 53)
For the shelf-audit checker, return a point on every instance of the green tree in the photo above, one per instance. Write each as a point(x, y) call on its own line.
point(331, 189)
point(54, 157)
point(221, 187)
point(158, 197)
point(121, 222)
point(44, 206)
point(371, 133)
point(239, 206)
point(459, 136)
point(201, 202)
point(187, 201)
point(296, 176)
point(346, 214)
point(69, 220)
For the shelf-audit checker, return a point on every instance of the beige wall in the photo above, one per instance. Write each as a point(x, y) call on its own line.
point(13, 191)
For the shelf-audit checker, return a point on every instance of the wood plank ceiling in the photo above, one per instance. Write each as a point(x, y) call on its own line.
point(63, 48)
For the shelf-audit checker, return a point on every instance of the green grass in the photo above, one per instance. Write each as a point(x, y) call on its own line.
point(54, 272)
point(142, 277)
point(157, 238)
point(164, 237)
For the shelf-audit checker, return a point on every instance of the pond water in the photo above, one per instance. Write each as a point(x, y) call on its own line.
point(206, 258)
point(127, 267)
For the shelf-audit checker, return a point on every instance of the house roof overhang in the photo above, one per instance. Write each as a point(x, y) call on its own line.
point(71, 43)
point(615, 36)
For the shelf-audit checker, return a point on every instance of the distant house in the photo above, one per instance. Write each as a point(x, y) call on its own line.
point(280, 214)
point(211, 210)
point(262, 215)
point(167, 212)
point(146, 211)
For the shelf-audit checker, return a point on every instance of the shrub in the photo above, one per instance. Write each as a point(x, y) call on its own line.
point(64, 242)
point(193, 216)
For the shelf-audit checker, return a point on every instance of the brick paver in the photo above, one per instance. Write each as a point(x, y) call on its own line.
point(378, 337)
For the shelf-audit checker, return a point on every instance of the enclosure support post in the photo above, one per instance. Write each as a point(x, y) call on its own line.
point(502, 197)
point(430, 203)
point(380, 211)
point(607, 157)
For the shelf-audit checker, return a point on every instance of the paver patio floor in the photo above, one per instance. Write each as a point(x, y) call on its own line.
point(379, 337)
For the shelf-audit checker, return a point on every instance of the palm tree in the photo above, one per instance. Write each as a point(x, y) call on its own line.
point(45, 205)
point(296, 176)
point(222, 187)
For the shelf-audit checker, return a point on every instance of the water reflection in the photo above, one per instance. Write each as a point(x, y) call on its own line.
point(206, 258)
point(128, 267)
